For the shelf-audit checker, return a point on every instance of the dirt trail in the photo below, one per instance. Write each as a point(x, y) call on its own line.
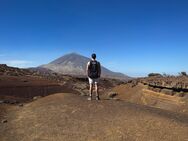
point(69, 117)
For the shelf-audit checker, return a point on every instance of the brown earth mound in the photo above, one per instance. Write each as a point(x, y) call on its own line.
point(141, 94)
point(24, 88)
point(68, 117)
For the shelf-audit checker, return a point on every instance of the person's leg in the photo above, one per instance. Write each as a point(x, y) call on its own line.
point(97, 91)
point(90, 89)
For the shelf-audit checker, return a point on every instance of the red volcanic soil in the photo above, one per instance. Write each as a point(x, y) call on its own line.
point(22, 88)
point(23, 84)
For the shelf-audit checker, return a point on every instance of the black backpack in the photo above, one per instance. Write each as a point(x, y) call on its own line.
point(93, 69)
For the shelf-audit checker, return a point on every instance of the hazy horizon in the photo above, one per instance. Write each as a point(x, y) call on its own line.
point(134, 37)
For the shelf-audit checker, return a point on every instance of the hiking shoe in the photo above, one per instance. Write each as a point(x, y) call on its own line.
point(89, 98)
point(97, 98)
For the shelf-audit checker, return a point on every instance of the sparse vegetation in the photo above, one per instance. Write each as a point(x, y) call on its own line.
point(154, 74)
point(183, 73)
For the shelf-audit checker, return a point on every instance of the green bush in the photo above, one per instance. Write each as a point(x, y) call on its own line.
point(154, 74)
point(183, 73)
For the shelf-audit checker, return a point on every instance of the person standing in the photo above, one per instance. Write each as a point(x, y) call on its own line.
point(93, 71)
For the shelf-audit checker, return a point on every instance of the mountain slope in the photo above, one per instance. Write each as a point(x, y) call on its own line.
point(75, 64)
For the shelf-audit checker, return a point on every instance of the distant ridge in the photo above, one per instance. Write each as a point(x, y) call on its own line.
point(75, 64)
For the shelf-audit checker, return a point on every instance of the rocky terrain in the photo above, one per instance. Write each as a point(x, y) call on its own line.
point(171, 85)
point(169, 93)
point(38, 104)
point(23, 84)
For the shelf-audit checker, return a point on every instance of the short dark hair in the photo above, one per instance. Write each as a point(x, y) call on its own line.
point(93, 56)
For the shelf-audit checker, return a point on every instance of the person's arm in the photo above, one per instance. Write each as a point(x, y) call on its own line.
point(99, 69)
point(87, 69)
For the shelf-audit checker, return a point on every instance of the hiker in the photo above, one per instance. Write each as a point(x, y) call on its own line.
point(93, 71)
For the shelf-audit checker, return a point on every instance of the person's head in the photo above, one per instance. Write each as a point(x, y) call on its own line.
point(93, 56)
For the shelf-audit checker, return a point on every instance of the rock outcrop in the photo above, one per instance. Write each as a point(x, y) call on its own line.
point(170, 85)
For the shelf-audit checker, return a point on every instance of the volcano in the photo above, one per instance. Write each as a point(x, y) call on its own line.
point(75, 64)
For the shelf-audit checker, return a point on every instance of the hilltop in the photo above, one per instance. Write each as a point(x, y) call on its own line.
point(68, 117)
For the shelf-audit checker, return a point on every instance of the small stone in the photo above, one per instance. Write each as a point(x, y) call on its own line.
point(112, 94)
point(1, 101)
point(83, 94)
point(13, 102)
point(4, 121)
point(117, 99)
point(36, 97)
point(157, 89)
point(186, 95)
point(20, 105)
point(167, 91)
point(6, 101)
point(181, 94)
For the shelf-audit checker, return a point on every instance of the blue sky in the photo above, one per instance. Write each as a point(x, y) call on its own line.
point(135, 37)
